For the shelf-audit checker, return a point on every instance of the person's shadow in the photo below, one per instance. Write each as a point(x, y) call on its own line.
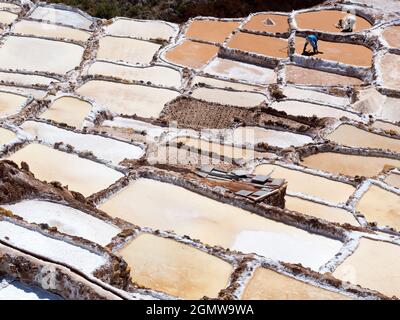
point(311, 53)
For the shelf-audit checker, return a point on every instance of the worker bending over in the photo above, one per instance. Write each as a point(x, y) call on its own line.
point(347, 24)
point(311, 40)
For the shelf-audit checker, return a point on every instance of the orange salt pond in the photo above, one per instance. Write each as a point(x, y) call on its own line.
point(392, 36)
point(393, 179)
point(353, 54)
point(274, 23)
point(264, 45)
point(325, 21)
point(270, 285)
point(191, 54)
point(306, 76)
point(374, 265)
point(211, 30)
point(354, 137)
point(347, 164)
point(381, 206)
point(175, 268)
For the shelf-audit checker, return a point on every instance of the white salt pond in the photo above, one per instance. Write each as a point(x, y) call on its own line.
point(6, 136)
point(81, 175)
point(139, 126)
point(7, 17)
point(227, 97)
point(126, 50)
point(16, 290)
point(315, 96)
point(215, 223)
point(9, 6)
point(175, 268)
point(128, 99)
point(66, 17)
point(222, 84)
point(37, 94)
point(67, 220)
point(10, 103)
point(25, 79)
point(158, 75)
point(309, 184)
point(44, 55)
point(55, 250)
point(107, 149)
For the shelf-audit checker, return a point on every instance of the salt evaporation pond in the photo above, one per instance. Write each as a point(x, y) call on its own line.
point(211, 30)
point(67, 17)
point(392, 36)
point(25, 79)
point(267, 22)
point(394, 180)
point(10, 103)
point(6, 136)
point(16, 290)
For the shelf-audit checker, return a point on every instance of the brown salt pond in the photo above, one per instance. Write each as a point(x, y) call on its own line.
point(392, 36)
point(390, 67)
point(211, 30)
point(354, 137)
point(348, 53)
point(216, 223)
point(128, 99)
point(265, 22)
point(10, 103)
point(305, 76)
point(309, 184)
point(270, 285)
point(325, 21)
point(69, 110)
point(320, 211)
point(264, 45)
point(6, 136)
point(374, 265)
point(175, 268)
point(381, 206)
point(127, 50)
point(191, 54)
point(7, 17)
point(81, 175)
point(393, 179)
point(347, 164)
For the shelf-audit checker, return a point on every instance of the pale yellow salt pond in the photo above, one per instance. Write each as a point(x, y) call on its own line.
point(175, 268)
point(309, 184)
point(10, 103)
point(222, 84)
point(126, 50)
point(81, 175)
point(7, 17)
point(25, 79)
point(69, 110)
point(227, 97)
point(381, 206)
point(347, 164)
point(50, 30)
point(215, 223)
point(374, 265)
point(393, 179)
point(270, 285)
point(390, 68)
point(157, 75)
point(386, 126)
point(354, 137)
point(6, 136)
point(128, 99)
point(44, 55)
point(320, 211)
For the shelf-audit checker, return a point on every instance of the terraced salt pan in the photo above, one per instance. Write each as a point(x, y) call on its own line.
point(127, 50)
point(222, 84)
point(270, 285)
point(386, 126)
point(44, 55)
point(350, 165)
point(6, 136)
point(10, 103)
point(175, 268)
point(217, 223)
point(139, 126)
point(309, 184)
point(381, 206)
point(191, 54)
point(128, 99)
point(354, 137)
point(390, 68)
point(320, 211)
point(25, 79)
point(264, 45)
point(266, 22)
point(394, 180)
point(81, 175)
point(66, 219)
point(15, 290)
point(211, 30)
point(50, 30)
point(7, 17)
point(325, 21)
point(374, 265)
point(304, 76)
point(110, 150)
point(69, 110)
point(66, 17)
point(162, 76)
point(348, 53)
point(307, 109)
point(56, 250)
point(141, 29)
point(240, 71)
point(391, 109)
point(315, 96)
point(392, 36)
point(234, 98)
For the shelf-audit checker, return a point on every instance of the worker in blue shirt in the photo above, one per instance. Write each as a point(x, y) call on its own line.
point(313, 41)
